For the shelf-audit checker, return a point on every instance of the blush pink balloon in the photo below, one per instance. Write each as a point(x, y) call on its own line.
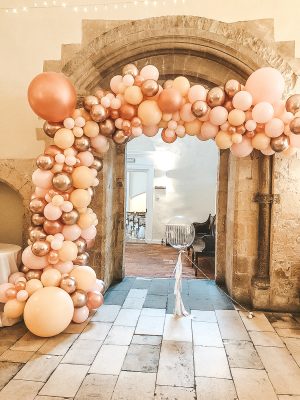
point(22, 295)
point(64, 267)
point(71, 232)
point(86, 158)
point(287, 117)
point(150, 130)
point(294, 140)
point(115, 82)
point(80, 314)
point(197, 92)
point(67, 206)
point(186, 113)
point(33, 262)
point(150, 72)
point(242, 100)
point(265, 84)
point(40, 192)
point(274, 127)
point(100, 143)
point(115, 103)
point(42, 179)
point(242, 149)
point(52, 212)
point(136, 131)
point(13, 278)
point(3, 289)
point(128, 80)
point(89, 233)
point(268, 151)
point(250, 125)
point(218, 115)
point(208, 131)
point(279, 108)
point(262, 112)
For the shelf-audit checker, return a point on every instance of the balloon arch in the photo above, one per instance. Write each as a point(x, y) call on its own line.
point(55, 284)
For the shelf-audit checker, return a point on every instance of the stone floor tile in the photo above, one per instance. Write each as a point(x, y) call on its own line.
point(293, 346)
point(160, 287)
point(206, 334)
point(280, 320)
point(142, 283)
point(137, 293)
point(76, 328)
point(109, 360)
point(176, 367)
point(282, 369)
point(39, 368)
point(252, 384)
point(96, 331)
point(215, 389)
point(134, 302)
point(65, 380)
point(231, 325)
point(242, 354)
point(287, 397)
point(155, 301)
point(150, 325)
point(266, 339)
point(106, 313)
point(17, 356)
point(20, 390)
point(58, 345)
point(153, 312)
point(258, 323)
point(291, 333)
point(211, 362)
point(203, 316)
point(5, 344)
point(135, 386)
point(146, 339)
point(115, 297)
point(7, 371)
point(98, 387)
point(13, 333)
point(82, 352)
point(51, 398)
point(29, 342)
point(127, 317)
point(141, 358)
point(174, 393)
point(120, 335)
point(178, 329)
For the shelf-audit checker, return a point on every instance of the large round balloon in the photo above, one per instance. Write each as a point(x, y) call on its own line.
point(48, 311)
point(52, 96)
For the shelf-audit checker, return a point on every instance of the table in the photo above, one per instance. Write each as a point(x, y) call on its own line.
point(10, 257)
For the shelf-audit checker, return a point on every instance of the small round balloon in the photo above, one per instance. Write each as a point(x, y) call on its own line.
point(180, 232)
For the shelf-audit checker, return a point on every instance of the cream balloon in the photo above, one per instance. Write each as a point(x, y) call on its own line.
point(149, 113)
point(223, 140)
point(182, 84)
point(51, 277)
point(133, 95)
point(82, 177)
point(261, 141)
point(64, 138)
point(33, 285)
point(13, 308)
point(85, 277)
point(80, 198)
point(68, 251)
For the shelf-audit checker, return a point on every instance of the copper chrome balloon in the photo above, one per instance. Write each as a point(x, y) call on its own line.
point(68, 284)
point(36, 233)
point(79, 298)
point(70, 218)
point(280, 143)
point(107, 127)
point(199, 108)
point(45, 161)
point(52, 227)
point(293, 103)
point(37, 205)
point(81, 245)
point(130, 69)
point(37, 219)
point(82, 144)
point(89, 102)
point(82, 259)
point(33, 274)
point(215, 97)
point(62, 181)
point(97, 164)
point(232, 87)
point(295, 126)
point(119, 137)
point(40, 248)
point(98, 113)
point(51, 129)
point(150, 87)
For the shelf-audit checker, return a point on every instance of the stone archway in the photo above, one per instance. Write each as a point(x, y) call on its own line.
point(210, 52)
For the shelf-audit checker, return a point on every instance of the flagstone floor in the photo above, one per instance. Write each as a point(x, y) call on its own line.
point(134, 349)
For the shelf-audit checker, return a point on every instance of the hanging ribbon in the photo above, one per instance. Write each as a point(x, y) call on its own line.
point(179, 309)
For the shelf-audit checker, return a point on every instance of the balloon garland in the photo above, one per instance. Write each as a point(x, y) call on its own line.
point(55, 284)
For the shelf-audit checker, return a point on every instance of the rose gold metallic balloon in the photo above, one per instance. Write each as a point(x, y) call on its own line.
point(82, 143)
point(37, 219)
point(241, 129)
point(199, 108)
point(52, 227)
point(68, 169)
point(127, 111)
point(228, 105)
point(53, 257)
point(168, 84)
point(119, 137)
point(293, 103)
point(20, 286)
point(295, 126)
point(280, 143)
point(68, 284)
point(138, 80)
point(150, 87)
point(98, 113)
point(99, 93)
point(97, 164)
point(168, 139)
point(62, 181)
point(81, 245)
point(215, 97)
point(44, 161)
point(24, 269)
point(260, 128)
point(79, 298)
point(53, 150)
point(232, 87)
point(53, 193)
point(89, 102)
point(33, 274)
point(36, 233)
point(114, 114)
point(40, 248)
point(91, 191)
point(91, 243)
point(70, 218)
point(51, 129)
point(232, 129)
point(94, 300)
point(107, 127)
point(11, 293)
point(82, 259)
point(130, 69)
point(37, 205)
point(126, 127)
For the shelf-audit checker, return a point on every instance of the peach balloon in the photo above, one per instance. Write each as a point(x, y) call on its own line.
point(208, 131)
point(80, 315)
point(100, 143)
point(149, 113)
point(86, 158)
point(3, 289)
point(149, 72)
point(51, 277)
point(85, 277)
point(218, 115)
point(33, 262)
point(197, 92)
point(191, 128)
point(91, 129)
point(14, 277)
point(182, 84)
point(51, 212)
point(223, 140)
point(262, 112)
point(82, 177)
point(64, 138)
point(68, 252)
point(242, 100)
point(169, 101)
point(48, 311)
point(80, 198)
point(186, 113)
point(294, 140)
point(42, 178)
point(260, 141)
point(150, 131)
point(236, 117)
point(250, 125)
point(13, 308)
point(274, 127)
point(133, 95)
point(33, 285)
point(89, 233)
point(22, 295)
point(268, 151)
point(115, 82)
point(85, 221)
point(71, 232)
point(64, 267)
point(242, 149)
point(236, 138)
point(52, 96)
